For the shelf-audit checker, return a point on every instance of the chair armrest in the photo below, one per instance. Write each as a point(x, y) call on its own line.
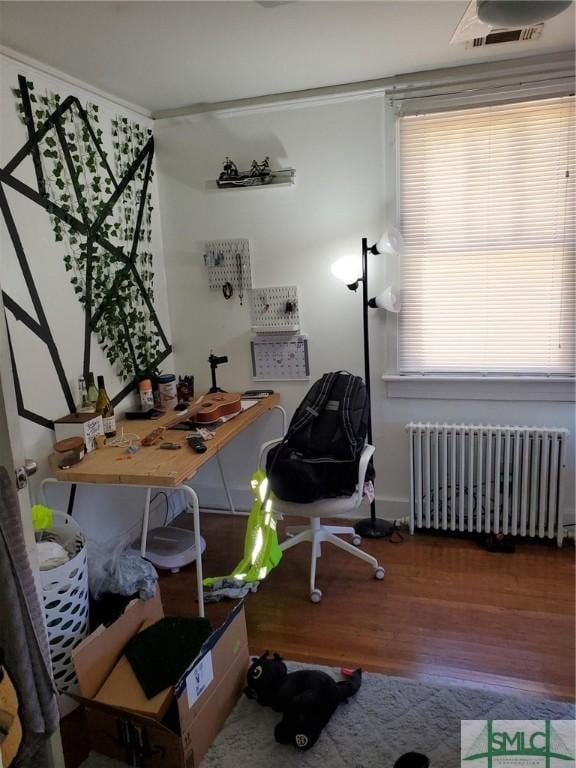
point(266, 447)
point(367, 453)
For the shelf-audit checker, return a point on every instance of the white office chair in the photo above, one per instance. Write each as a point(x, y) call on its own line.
point(316, 533)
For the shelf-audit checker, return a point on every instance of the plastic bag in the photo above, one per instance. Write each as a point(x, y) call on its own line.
point(117, 570)
point(51, 554)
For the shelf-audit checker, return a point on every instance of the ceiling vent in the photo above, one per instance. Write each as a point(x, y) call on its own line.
point(507, 36)
point(475, 33)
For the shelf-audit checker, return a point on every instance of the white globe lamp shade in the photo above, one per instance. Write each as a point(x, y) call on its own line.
point(389, 300)
point(348, 269)
point(391, 242)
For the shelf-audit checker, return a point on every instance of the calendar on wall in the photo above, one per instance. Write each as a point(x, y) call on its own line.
point(280, 358)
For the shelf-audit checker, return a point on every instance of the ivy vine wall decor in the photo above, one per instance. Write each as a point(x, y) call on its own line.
point(101, 211)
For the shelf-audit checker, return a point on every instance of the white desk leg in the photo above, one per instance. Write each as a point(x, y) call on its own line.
point(225, 484)
point(145, 523)
point(196, 513)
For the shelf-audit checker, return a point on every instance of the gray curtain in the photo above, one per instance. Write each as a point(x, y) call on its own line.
point(22, 634)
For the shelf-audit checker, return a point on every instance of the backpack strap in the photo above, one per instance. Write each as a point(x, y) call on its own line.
point(352, 387)
point(345, 413)
point(313, 409)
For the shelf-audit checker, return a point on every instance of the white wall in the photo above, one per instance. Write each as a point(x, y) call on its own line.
point(102, 513)
point(296, 233)
point(6, 459)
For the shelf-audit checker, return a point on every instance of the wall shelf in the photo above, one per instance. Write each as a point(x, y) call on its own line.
point(281, 178)
point(270, 329)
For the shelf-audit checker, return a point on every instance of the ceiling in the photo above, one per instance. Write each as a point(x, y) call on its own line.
point(164, 55)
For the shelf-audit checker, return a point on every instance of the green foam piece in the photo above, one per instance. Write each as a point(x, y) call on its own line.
point(161, 653)
point(42, 517)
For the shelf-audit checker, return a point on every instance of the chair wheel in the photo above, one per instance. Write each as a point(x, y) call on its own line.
point(356, 540)
point(379, 573)
point(316, 596)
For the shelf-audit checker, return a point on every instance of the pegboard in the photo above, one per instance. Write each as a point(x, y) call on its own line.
point(275, 309)
point(276, 358)
point(228, 261)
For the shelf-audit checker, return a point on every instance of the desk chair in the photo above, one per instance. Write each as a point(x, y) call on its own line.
point(316, 533)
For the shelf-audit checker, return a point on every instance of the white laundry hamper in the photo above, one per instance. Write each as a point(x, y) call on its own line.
point(65, 599)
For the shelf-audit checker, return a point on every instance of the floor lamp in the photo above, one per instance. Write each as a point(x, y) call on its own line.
point(346, 269)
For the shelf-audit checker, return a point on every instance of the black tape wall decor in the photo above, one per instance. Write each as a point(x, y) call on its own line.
point(102, 214)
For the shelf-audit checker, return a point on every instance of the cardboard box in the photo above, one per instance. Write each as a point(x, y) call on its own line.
point(176, 727)
point(84, 425)
point(122, 689)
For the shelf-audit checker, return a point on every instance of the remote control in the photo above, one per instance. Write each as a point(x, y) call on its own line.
point(197, 444)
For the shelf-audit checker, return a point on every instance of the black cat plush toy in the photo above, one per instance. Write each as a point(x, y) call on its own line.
point(307, 698)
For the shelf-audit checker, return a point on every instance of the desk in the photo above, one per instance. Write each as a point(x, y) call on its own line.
point(152, 467)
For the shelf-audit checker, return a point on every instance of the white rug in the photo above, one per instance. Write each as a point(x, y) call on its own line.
point(388, 716)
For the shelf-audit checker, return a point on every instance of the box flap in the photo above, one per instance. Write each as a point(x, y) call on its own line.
point(122, 689)
point(95, 657)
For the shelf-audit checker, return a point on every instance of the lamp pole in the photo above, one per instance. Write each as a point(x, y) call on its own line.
point(370, 527)
point(365, 331)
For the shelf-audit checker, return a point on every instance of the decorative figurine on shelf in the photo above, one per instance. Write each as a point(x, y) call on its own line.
point(229, 171)
point(261, 170)
point(259, 173)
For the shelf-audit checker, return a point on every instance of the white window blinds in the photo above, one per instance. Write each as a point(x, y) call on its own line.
point(487, 212)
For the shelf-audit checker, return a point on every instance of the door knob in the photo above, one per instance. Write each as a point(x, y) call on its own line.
point(24, 472)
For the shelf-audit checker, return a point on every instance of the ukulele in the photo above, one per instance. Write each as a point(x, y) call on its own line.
point(211, 407)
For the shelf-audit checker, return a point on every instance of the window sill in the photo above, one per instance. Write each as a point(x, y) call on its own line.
point(475, 387)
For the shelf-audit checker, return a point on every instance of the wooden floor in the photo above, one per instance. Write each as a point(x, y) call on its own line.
point(446, 611)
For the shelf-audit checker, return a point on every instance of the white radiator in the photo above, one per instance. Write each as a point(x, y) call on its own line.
point(486, 478)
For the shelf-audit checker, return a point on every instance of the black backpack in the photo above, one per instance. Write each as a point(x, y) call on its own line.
point(319, 456)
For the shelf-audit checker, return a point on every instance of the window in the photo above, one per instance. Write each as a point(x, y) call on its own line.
point(487, 212)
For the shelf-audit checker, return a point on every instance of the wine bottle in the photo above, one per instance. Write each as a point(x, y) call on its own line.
point(92, 391)
point(105, 408)
point(83, 404)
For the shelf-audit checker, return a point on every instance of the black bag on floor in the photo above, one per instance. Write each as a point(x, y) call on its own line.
point(319, 456)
